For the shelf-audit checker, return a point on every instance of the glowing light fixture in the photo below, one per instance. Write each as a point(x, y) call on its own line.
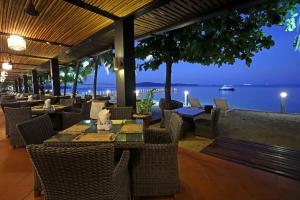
point(137, 92)
point(283, 94)
point(4, 73)
point(107, 92)
point(16, 42)
point(85, 63)
point(186, 97)
point(6, 66)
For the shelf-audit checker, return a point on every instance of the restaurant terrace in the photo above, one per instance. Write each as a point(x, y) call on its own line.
point(56, 146)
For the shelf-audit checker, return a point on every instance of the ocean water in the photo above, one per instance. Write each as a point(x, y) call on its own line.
point(263, 98)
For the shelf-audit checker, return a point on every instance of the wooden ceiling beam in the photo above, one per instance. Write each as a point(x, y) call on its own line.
point(38, 40)
point(149, 7)
point(25, 64)
point(93, 9)
point(24, 55)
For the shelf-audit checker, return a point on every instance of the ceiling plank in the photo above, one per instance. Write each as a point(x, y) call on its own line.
point(24, 55)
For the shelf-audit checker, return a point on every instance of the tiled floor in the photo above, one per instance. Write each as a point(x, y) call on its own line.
point(202, 177)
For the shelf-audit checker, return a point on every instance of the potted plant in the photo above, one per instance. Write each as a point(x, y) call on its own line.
point(143, 106)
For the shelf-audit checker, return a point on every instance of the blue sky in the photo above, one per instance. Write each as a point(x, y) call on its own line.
point(278, 65)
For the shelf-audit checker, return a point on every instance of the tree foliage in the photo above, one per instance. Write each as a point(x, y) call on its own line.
point(293, 24)
point(218, 41)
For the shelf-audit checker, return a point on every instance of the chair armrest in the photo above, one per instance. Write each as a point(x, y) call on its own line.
point(120, 177)
point(156, 136)
point(122, 164)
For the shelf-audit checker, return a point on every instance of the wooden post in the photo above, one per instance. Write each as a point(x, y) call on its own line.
point(54, 71)
point(125, 61)
point(25, 83)
point(16, 85)
point(35, 84)
point(20, 84)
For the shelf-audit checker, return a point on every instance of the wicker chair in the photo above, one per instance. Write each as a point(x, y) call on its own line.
point(35, 131)
point(163, 106)
point(155, 167)
point(71, 118)
point(13, 117)
point(121, 112)
point(91, 174)
point(195, 103)
point(10, 104)
point(66, 102)
point(208, 128)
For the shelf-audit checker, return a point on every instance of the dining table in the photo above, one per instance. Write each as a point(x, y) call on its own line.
point(189, 115)
point(54, 112)
point(125, 134)
point(39, 110)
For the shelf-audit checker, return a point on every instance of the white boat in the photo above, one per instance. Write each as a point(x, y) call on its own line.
point(227, 88)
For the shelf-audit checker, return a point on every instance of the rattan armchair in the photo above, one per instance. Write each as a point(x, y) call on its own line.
point(208, 128)
point(81, 173)
point(13, 117)
point(66, 102)
point(120, 112)
point(10, 104)
point(164, 106)
point(71, 118)
point(155, 167)
point(35, 131)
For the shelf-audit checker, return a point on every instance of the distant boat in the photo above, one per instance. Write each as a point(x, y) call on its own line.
point(227, 88)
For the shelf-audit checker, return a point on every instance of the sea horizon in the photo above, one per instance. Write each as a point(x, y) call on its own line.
point(248, 97)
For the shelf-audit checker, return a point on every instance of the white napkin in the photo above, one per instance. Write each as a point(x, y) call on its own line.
point(30, 98)
point(103, 116)
point(48, 103)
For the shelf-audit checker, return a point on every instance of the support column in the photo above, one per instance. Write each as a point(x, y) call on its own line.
point(16, 85)
point(25, 83)
point(35, 84)
point(54, 71)
point(125, 62)
point(20, 84)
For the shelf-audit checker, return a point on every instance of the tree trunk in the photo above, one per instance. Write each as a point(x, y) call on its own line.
point(168, 81)
point(65, 82)
point(75, 80)
point(95, 78)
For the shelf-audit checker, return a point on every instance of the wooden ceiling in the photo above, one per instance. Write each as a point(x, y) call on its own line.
point(59, 22)
point(77, 32)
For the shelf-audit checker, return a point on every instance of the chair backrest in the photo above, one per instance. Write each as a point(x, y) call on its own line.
point(36, 130)
point(11, 104)
point(74, 173)
point(215, 121)
point(221, 103)
point(86, 109)
point(120, 112)
point(96, 107)
point(194, 102)
point(15, 116)
point(66, 102)
point(174, 127)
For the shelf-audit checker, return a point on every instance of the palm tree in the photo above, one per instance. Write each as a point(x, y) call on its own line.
point(66, 76)
point(105, 59)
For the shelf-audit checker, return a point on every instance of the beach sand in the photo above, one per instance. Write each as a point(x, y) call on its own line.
point(262, 127)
